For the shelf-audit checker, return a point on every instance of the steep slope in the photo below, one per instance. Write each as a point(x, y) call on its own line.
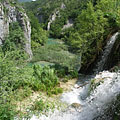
point(11, 12)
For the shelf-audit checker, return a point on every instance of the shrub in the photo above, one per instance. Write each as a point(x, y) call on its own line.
point(56, 91)
point(59, 90)
point(74, 74)
point(39, 105)
point(7, 111)
point(44, 79)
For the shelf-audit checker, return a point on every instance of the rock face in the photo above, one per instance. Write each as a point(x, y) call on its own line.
point(11, 12)
point(4, 26)
point(68, 25)
point(56, 13)
point(52, 18)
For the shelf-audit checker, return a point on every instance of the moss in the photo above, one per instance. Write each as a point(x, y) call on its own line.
point(94, 83)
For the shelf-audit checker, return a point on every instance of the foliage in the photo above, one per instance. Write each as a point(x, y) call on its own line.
point(13, 46)
point(41, 105)
point(18, 82)
point(38, 35)
point(7, 111)
point(44, 79)
point(15, 39)
point(93, 21)
point(91, 29)
point(56, 54)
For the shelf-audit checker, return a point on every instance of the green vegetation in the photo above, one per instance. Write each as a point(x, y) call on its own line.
point(17, 79)
point(93, 22)
point(55, 53)
point(44, 79)
point(54, 58)
point(38, 35)
point(18, 82)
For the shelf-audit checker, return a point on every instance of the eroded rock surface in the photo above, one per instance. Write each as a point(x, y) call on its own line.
point(11, 12)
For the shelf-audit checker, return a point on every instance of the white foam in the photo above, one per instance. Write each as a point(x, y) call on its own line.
point(93, 105)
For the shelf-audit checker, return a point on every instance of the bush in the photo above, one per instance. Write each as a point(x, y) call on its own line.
point(7, 111)
point(39, 105)
point(56, 91)
point(44, 78)
point(74, 74)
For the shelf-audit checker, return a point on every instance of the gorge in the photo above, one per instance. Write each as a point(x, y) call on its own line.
point(93, 103)
point(59, 60)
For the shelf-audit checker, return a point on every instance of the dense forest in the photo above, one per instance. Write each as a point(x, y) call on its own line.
point(83, 38)
point(66, 39)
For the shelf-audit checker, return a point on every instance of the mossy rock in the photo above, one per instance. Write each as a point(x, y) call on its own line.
point(75, 105)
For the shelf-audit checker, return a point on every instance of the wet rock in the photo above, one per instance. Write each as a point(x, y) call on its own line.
point(68, 25)
point(76, 105)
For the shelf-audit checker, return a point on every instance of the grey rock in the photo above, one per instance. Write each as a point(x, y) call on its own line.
point(15, 15)
point(68, 25)
point(75, 105)
point(55, 14)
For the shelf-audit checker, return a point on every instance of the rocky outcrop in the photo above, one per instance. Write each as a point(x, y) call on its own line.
point(56, 13)
point(52, 18)
point(25, 24)
point(11, 12)
point(4, 25)
point(68, 25)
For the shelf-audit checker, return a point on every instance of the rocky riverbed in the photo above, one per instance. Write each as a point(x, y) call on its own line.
point(85, 103)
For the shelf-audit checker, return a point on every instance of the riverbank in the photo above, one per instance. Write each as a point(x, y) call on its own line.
point(93, 105)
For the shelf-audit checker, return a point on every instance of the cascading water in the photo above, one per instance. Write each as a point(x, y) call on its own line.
point(105, 53)
point(92, 104)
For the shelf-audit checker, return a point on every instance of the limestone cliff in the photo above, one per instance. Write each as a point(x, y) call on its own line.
point(56, 13)
point(10, 12)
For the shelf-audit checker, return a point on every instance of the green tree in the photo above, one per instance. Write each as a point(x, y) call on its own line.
point(38, 35)
point(90, 26)
point(15, 39)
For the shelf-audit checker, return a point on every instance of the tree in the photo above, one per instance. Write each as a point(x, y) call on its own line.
point(38, 35)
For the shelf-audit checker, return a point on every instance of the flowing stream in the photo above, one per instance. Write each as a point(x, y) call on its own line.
point(105, 53)
point(84, 104)
point(90, 107)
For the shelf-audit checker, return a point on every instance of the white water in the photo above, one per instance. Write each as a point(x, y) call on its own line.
point(106, 52)
point(93, 105)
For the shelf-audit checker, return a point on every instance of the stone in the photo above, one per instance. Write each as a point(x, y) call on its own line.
point(76, 105)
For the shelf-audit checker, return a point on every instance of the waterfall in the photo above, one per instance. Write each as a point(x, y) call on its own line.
point(105, 53)
point(91, 107)
point(91, 104)
point(52, 19)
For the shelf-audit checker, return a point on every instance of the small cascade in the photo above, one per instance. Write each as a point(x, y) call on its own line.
point(105, 53)
point(54, 15)
point(53, 18)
